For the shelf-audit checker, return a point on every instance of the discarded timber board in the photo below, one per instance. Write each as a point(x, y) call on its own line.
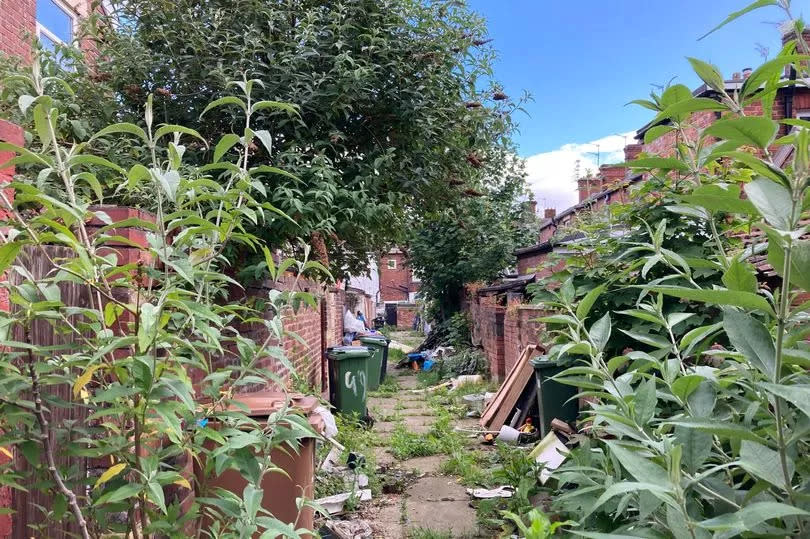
point(495, 402)
point(504, 402)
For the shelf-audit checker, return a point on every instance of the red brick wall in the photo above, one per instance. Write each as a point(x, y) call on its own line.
point(520, 329)
point(406, 312)
point(17, 17)
point(488, 332)
point(396, 283)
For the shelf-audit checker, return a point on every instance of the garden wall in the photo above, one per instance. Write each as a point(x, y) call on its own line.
point(521, 328)
point(503, 327)
point(406, 312)
point(487, 321)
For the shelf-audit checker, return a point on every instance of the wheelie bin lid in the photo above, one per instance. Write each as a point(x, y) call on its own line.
point(541, 362)
point(349, 352)
point(261, 404)
point(374, 339)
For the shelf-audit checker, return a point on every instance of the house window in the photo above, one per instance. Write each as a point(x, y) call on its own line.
point(55, 23)
point(392, 263)
point(803, 115)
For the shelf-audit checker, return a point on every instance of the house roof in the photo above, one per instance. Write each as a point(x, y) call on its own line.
point(507, 285)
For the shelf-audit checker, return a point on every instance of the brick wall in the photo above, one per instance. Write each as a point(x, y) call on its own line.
point(406, 312)
point(487, 319)
point(397, 282)
point(18, 19)
point(520, 328)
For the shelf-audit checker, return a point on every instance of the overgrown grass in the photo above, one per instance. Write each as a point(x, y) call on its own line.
point(441, 438)
point(356, 438)
point(467, 465)
point(395, 355)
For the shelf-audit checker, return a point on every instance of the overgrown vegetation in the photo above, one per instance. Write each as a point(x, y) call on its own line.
point(147, 348)
point(693, 361)
point(397, 110)
point(441, 438)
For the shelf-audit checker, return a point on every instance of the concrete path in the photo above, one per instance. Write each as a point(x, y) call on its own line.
point(428, 499)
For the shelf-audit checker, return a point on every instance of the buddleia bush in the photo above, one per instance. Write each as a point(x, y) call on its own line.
point(152, 355)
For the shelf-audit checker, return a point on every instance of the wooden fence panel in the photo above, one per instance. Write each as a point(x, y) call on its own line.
point(31, 508)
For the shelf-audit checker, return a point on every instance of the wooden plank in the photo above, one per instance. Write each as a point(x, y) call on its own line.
point(506, 398)
point(511, 397)
point(493, 404)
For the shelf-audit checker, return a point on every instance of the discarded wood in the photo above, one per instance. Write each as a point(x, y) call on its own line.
point(501, 406)
point(527, 401)
point(561, 426)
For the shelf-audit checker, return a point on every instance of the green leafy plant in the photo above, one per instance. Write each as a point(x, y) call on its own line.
point(149, 350)
point(539, 527)
point(384, 89)
point(697, 384)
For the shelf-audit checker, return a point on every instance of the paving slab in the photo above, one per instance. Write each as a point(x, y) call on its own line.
point(441, 504)
point(427, 465)
point(386, 518)
point(408, 382)
point(415, 412)
point(383, 457)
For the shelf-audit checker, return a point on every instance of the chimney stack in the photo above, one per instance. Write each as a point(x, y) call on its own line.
point(533, 206)
point(611, 174)
point(788, 31)
point(589, 185)
point(746, 72)
point(550, 213)
point(631, 151)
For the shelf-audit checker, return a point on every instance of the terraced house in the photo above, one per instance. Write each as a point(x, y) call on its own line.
point(503, 318)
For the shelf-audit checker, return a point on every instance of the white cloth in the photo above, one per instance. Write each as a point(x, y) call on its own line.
point(351, 324)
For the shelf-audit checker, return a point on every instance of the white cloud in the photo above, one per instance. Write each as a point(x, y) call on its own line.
point(551, 174)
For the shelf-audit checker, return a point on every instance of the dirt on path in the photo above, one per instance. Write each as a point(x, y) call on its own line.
point(425, 503)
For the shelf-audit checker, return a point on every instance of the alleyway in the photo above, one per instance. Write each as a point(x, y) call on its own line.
point(431, 504)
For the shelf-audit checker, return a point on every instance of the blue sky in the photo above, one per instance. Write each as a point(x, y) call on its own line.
point(582, 61)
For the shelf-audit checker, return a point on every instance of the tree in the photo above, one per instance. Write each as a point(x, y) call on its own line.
point(395, 109)
point(473, 239)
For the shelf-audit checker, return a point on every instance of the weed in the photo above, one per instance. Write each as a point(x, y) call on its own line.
point(441, 438)
point(395, 355)
point(428, 378)
point(327, 484)
point(356, 438)
point(406, 445)
point(466, 464)
point(427, 533)
point(388, 388)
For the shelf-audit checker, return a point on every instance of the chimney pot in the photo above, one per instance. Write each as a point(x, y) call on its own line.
point(550, 213)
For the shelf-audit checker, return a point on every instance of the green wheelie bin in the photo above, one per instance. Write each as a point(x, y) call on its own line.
point(378, 362)
point(348, 378)
point(554, 400)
